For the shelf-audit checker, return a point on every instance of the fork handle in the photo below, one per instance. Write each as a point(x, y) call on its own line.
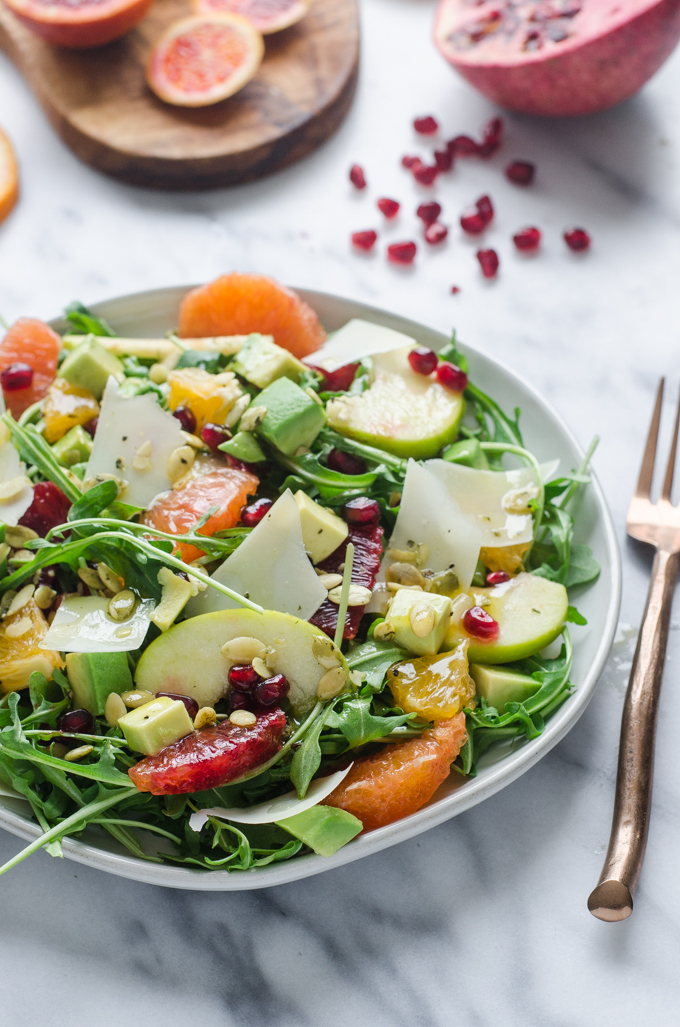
point(612, 899)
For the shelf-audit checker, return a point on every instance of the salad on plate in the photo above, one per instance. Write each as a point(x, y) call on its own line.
point(262, 589)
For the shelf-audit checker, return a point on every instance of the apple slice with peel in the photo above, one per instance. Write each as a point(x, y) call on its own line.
point(187, 659)
point(530, 611)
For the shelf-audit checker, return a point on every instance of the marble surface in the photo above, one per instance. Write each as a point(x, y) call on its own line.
point(483, 920)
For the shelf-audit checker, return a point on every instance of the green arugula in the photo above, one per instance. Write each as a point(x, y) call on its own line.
point(85, 322)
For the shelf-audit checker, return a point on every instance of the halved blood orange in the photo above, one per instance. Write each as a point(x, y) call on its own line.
point(203, 59)
point(79, 24)
point(9, 177)
point(237, 304)
point(266, 15)
point(32, 342)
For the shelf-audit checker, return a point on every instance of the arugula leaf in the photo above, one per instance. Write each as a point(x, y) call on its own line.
point(374, 659)
point(34, 450)
point(359, 725)
point(583, 567)
point(94, 501)
point(83, 320)
point(307, 759)
point(574, 617)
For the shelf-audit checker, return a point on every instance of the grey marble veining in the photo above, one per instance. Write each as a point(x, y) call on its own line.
point(481, 921)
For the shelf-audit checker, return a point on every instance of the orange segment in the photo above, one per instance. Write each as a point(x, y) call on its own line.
point(65, 407)
point(9, 177)
point(210, 397)
point(504, 558)
point(266, 15)
point(177, 511)
point(434, 687)
point(29, 341)
point(20, 636)
point(237, 304)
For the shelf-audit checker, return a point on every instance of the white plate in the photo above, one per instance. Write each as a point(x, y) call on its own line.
point(151, 314)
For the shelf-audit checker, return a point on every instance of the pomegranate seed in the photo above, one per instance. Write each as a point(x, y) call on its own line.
point(485, 208)
point(214, 435)
point(16, 376)
point(255, 512)
point(527, 239)
point(186, 418)
point(426, 126)
point(47, 575)
point(521, 172)
point(577, 239)
point(429, 212)
point(423, 360)
point(361, 510)
point(497, 577)
point(238, 701)
point(488, 261)
point(272, 690)
point(479, 623)
point(340, 379)
point(401, 252)
point(49, 507)
point(425, 173)
point(408, 160)
point(463, 146)
point(237, 465)
point(436, 232)
point(389, 208)
point(455, 289)
point(345, 463)
point(242, 677)
point(191, 704)
point(492, 137)
point(472, 222)
point(91, 426)
point(451, 377)
point(443, 159)
point(364, 240)
point(357, 177)
point(77, 722)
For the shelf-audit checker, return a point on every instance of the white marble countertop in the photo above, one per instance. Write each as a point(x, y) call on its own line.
point(483, 920)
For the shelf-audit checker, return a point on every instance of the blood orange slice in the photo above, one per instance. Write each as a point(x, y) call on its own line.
point(9, 177)
point(32, 342)
point(79, 23)
point(204, 59)
point(266, 15)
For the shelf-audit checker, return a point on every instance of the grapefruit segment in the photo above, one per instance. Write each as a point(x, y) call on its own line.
point(32, 342)
point(266, 15)
point(9, 177)
point(79, 24)
point(204, 59)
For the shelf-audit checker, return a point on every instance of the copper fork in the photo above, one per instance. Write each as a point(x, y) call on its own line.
point(658, 524)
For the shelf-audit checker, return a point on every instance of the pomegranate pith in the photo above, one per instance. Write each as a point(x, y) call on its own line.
point(489, 262)
point(401, 252)
point(577, 239)
point(357, 177)
point(364, 240)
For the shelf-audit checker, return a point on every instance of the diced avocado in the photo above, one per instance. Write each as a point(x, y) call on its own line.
point(324, 829)
point(322, 530)
point(175, 595)
point(158, 723)
point(93, 676)
point(260, 361)
point(467, 452)
point(89, 367)
point(500, 686)
point(244, 446)
point(293, 418)
point(74, 447)
point(403, 612)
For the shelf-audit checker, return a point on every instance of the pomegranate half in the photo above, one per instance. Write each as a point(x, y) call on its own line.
point(267, 16)
point(79, 24)
point(557, 57)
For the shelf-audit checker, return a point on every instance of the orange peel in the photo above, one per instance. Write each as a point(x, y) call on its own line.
point(268, 16)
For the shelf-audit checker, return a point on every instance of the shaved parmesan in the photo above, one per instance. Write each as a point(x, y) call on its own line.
point(20, 492)
point(270, 567)
point(355, 340)
point(128, 424)
point(82, 625)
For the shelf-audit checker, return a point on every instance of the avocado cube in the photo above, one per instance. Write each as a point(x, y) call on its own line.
point(93, 676)
point(90, 366)
point(156, 724)
point(244, 446)
point(402, 611)
point(467, 452)
point(322, 530)
point(324, 829)
point(500, 686)
point(260, 361)
point(74, 447)
point(293, 418)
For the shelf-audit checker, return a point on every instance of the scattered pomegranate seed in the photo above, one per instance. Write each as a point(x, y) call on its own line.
point(463, 146)
point(451, 377)
point(521, 172)
point(429, 212)
point(361, 510)
point(357, 177)
point(443, 159)
point(186, 418)
point(389, 208)
point(423, 360)
point(47, 576)
point(472, 222)
point(243, 677)
point(485, 208)
point(479, 623)
point(345, 463)
point(436, 232)
point(49, 507)
point(401, 252)
point(190, 704)
point(340, 379)
point(425, 173)
point(76, 722)
point(16, 376)
point(492, 137)
point(527, 239)
point(497, 577)
point(238, 701)
point(426, 126)
point(255, 512)
point(488, 261)
point(455, 289)
point(408, 161)
point(364, 240)
point(577, 239)
point(272, 690)
point(236, 465)
point(214, 435)
point(91, 426)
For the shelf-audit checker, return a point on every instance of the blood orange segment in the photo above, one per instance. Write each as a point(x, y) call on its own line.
point(367, 541)
point(79, 23)
point(266, 15)
point(177, 511)
point(32, 342)
point(203, 59)
point(9, 177)
point(211, 757)
point(399, 779)
point(237, 304)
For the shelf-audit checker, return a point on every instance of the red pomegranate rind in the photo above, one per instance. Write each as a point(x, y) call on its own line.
point(211, 757)
point(367, 542)
point(577, 59)
point(82, 24)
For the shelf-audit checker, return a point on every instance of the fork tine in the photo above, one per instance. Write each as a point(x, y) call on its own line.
point(668, 480)
point(644, 485)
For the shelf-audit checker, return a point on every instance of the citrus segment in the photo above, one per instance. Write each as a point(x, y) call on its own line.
point(79, 23)
point(434, 687)
point(32, 342)
point(238, 304)
point(399, 779)
point(209, 397)
point(504, 558)
point(203, 59)
point(20, 655)
point(9, 177)
point(66, 406)
point(266, 15)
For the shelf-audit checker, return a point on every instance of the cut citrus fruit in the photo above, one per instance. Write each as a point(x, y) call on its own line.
point(32, 342)
point(9, 177)
point(266, 15)
point(399, 779)
point(66, 406)
point(238, 304)
point(204, 59)
point(210, 397)
point(20, 636)
point(434, 687)
point(79, 23)
point(504, 558)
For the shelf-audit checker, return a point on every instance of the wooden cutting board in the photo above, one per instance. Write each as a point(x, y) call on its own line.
point(99, 103)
